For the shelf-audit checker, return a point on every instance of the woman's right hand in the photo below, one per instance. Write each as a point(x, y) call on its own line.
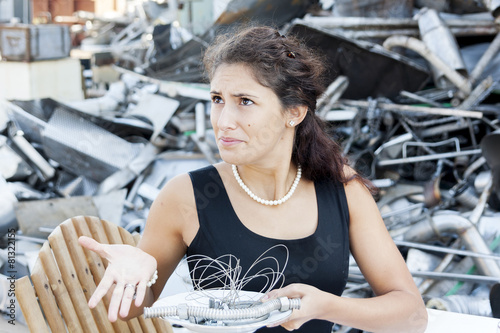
point(129, 270)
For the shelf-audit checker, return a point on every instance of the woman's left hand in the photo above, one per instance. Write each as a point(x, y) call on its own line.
point(311, 300)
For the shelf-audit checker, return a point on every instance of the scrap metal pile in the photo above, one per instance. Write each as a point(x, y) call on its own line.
point(413, 100)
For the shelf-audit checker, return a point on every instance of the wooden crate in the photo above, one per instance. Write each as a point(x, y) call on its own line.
point(28, 42)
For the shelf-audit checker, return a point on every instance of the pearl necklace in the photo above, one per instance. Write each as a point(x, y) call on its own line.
point(263, 201)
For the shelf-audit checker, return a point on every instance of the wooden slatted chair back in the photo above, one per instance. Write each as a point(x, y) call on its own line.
point(65, 276)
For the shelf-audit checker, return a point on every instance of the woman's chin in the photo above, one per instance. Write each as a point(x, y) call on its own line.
point(231, 158)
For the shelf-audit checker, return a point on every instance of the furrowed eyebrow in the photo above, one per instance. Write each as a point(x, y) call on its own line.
point(244, 95)
point(234, 95)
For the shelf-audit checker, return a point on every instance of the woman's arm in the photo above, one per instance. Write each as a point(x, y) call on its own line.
point(397, 306)
point(171, 219)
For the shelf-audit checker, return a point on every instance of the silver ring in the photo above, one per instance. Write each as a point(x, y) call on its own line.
point(130, 285)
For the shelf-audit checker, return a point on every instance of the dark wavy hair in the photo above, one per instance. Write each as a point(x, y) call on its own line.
point(296, 74)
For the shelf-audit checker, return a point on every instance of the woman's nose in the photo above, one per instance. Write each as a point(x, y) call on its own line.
point(226, 119)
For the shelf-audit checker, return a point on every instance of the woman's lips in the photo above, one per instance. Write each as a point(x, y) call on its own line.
point(227, 142)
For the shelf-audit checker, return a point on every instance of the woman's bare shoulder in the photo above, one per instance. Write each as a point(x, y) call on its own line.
point(349, 172)
point(180, 182)
point(180, 188)
point(354, 184)
point(175, 202)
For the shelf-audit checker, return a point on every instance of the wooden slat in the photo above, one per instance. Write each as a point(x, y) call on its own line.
point(71, 281)
point(112, 232)
point(134, 325)
point(29, 305)
point(78, 258)
point(127, 237)
point(121, 326)
point(137, 237)
point(93, 259)
point(84, 275)
point(146, 324)
point(46, 298)
point(97, 229)
point(59, 289)
point(162, 326)
point(96, 267)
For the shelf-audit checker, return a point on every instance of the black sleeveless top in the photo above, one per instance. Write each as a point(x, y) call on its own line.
point(320, 260)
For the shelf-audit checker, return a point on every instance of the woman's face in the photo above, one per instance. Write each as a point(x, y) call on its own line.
point(247, 117)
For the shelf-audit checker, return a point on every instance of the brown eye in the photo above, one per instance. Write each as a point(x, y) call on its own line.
point(246, 101)
point(216, 99)
point(290, 54)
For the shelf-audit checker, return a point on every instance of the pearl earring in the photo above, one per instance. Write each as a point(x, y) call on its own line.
point(291, 123)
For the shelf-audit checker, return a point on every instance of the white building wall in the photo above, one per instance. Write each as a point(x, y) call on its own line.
point(6, 10)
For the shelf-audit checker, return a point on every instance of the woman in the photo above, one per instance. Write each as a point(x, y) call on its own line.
point(283, 181)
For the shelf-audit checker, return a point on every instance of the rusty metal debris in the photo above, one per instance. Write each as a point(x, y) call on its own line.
point(423, 125)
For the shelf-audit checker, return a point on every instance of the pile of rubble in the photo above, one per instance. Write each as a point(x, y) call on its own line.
point(413, 100)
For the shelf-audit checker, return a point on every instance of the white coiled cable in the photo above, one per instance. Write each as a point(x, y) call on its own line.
point(184, 311)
